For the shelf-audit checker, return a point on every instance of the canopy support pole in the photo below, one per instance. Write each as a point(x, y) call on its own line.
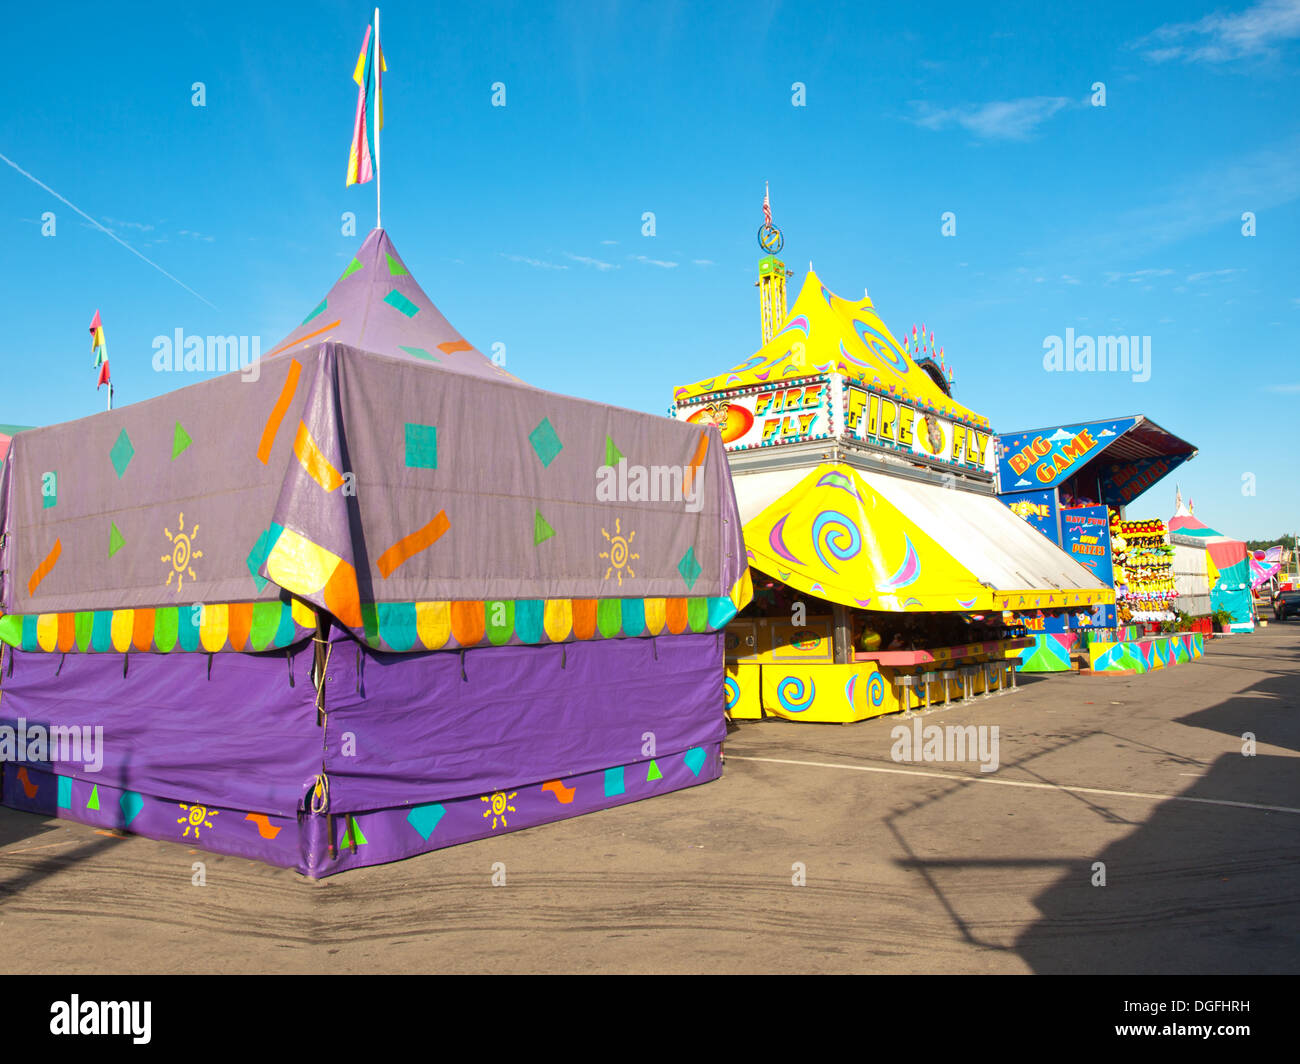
point(843, 634)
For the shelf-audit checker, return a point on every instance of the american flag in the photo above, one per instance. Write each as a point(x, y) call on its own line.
point(767, 206)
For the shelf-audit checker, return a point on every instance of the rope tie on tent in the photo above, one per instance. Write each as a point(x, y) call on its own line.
point(462, 666)
point(654, 645)
point(360, 684)
point(564, 656)
point(210, 666)
point(320, 795)
point(62, 659)
point(126, 660)
point(318, 675)
point(288, 660)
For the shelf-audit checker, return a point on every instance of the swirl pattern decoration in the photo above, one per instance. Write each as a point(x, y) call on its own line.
point(878, 346)
point(876, 688)
point(732, 691)
point(790, 692)
point(838, 534)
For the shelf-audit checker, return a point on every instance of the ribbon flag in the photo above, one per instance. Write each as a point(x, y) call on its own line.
point(367, 73)
point(99, 349)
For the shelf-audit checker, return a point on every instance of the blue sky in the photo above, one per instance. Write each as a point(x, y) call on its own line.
point(524, 222)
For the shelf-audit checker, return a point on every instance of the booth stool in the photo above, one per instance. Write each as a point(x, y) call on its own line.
point(989, 670)
point(903, 684)
point(968, 674)
point(948, 675)
point(928, 678)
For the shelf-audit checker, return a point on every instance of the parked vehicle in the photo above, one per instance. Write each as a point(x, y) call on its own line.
point(1286, 604)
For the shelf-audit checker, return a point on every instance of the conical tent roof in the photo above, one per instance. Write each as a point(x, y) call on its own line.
point(823, 333)
point(377, 305)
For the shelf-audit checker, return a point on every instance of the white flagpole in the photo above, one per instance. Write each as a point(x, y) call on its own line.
point(378, 72)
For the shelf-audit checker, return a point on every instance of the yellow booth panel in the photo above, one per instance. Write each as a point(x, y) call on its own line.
point(828, 693)
point(765, 640)
point(742, 684)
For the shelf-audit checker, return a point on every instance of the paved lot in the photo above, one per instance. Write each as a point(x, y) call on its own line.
point(910, 868)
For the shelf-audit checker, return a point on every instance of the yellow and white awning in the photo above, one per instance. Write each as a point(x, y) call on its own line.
point(879, 542)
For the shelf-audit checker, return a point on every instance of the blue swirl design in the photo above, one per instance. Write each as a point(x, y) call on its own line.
point(797, 701)
point(876, 688)
point(844, 351)
point(826, 295)
point(839, 534)
point(733, 691)
point(877, 346)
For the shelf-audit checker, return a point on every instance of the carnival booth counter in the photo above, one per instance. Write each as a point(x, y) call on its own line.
point(865, 492)
point(1072, 484)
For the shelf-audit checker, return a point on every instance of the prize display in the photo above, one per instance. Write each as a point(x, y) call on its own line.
point(1144, 570)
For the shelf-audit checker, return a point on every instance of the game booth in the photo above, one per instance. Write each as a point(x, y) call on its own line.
point(362, 599)
point(1073, 484)
point(884, 565)
point(1227, 566)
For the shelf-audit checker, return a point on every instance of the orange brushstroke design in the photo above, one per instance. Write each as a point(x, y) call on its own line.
point(563, 795)
point(264, 826)
point(301, 339)
point(278, 411)
point(688, 480)
point(43, 570)
point(452, 346)
point(411, 545)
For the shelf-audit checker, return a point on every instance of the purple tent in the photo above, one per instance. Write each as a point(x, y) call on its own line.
point(367, 596)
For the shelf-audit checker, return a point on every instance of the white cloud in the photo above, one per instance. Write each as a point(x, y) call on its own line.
point(1221, 38)
point(703, 262)
point(538, 263)
point(1211, 273)
point(596, 263)
point(998, 120)
point(656, 262)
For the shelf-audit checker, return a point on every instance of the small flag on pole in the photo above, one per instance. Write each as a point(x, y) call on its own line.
point(360, 164)
point(99, 349)
point(767, 205)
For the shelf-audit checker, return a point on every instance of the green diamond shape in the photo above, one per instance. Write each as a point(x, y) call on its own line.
point(420, 352)
point(421, 446)
point(180, 440)
point(541, 530)
point(115, 540)
point(690, 568)
point(121, 454)
point(396, 299)
point(545, 442)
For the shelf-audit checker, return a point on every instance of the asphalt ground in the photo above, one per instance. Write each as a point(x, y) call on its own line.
point(907, 867)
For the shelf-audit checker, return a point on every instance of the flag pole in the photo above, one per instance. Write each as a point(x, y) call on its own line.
point(379, 73)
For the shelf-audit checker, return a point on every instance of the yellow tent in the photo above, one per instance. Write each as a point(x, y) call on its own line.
point(823, 333)
point(880, 542)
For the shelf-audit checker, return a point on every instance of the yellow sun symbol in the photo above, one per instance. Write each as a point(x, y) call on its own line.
point(619, 555)
point(196, 816)
point(499, 808)
point(182, 554)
